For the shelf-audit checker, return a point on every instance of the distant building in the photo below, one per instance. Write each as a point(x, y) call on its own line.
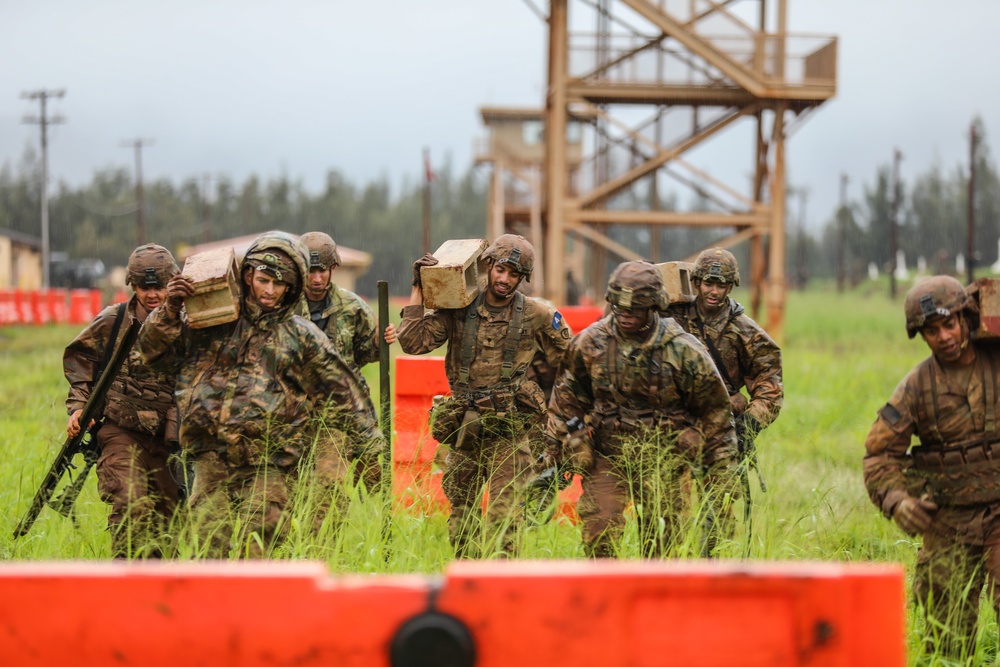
point(20, 261)
point(354, 263)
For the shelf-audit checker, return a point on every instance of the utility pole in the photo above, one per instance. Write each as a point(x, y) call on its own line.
point(800, 277)
point(842, 235)
point(970, 214)
point(140, 226)
point(428, 177)
point(897, 156)
point(206, 208)
point(43, 121)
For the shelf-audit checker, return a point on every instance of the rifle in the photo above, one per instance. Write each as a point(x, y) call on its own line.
point(747, 429)
point(85, 442)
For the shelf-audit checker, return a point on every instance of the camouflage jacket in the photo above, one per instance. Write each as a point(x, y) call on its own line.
point(259, 389)
point(934, 404)
point(750, 358)
point(350, 324)
point(543, 329)
point(141, 398)
point(687, 396)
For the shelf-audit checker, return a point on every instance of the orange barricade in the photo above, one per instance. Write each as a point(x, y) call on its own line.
point(84, 305)
point(41, 311)
point(483, 614)
point(22, 304)
point(580, 317)
point(418, 381)
point(415, 481)
point(8, 307)
point(58, 308)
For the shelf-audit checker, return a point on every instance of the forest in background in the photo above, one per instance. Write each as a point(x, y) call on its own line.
point(98, 220)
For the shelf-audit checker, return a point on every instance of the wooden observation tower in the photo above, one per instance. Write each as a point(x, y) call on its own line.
point(647, 83)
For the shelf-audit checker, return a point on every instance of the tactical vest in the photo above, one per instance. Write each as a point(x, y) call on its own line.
point(514, 331)
point(962, 473)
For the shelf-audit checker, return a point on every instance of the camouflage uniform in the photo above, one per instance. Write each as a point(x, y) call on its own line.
point(140, 420)
point(953, 413)
point(750, 358)
point(494, 416)
point(652, 408)
point(256, 397)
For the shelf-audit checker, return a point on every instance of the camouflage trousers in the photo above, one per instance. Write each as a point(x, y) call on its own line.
point(238, 510)
point(950, 574)
point(499, 468)
point(608, 490)
point(133, 477)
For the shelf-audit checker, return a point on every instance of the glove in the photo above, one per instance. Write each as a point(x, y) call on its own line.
point(913, 515)
point(579, 451)
point(426, 260)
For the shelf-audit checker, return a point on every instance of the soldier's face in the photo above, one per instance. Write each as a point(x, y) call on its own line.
point(503, 281)
point(150, 296)
point(266, 290)
point(319, 280)
point(712, 295)
point(948, 340)
point(631, 321)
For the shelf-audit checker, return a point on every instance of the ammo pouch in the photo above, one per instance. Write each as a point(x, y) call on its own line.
point(608, 428)
point(454, 423)
point(960, 475)
point(136, 414)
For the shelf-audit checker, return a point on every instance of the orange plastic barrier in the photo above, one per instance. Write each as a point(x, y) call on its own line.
point(8, 307)
point(41, 312)
point(483, 614)
point(415, 482)
point(84, 305)
point(58, 305)
point(580, 317)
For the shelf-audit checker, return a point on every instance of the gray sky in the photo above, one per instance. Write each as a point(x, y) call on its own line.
point(303, 86)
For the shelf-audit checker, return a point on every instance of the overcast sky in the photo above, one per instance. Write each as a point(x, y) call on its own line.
point(237, 87)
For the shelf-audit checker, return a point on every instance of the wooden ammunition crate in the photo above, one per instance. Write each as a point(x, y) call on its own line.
point(216, 298)
point(986, 292)
point(677, 281)
point(458, 277)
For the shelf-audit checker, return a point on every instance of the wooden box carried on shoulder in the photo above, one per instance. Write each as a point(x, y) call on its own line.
point(677, 281)
point(216, 298)
point(458, 277)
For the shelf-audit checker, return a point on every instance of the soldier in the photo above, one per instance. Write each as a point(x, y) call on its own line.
point(494, 414)
point(946, 488)
point(637, 403)
point(139, 430)
point(743, 352)
point(256, 396)
point(343, 315)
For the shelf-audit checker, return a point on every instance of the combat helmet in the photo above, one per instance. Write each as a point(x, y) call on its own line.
point(513, 249)
point(937, 296)
point(150, 265)
point(717, 265)
point(637, 284)
point(281, 255)
point(321, 249)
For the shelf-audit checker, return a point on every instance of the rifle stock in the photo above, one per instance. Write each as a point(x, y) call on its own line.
point(84, 443)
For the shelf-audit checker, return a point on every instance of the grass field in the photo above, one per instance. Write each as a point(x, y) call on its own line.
point(843, 355)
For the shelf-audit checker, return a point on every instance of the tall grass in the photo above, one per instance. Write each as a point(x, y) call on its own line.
point(843, 355)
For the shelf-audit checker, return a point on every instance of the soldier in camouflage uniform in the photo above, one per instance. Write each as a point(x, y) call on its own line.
point(343, 315)
point(638, 402)
point(743, 352)
point(139, 430)
point(945, 488)
point(257, 396)
point(494, 416)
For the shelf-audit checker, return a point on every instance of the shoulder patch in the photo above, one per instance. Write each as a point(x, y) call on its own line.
point(890, 414)
point(559, 324)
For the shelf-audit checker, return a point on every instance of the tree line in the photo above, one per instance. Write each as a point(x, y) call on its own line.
point(98, 220)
